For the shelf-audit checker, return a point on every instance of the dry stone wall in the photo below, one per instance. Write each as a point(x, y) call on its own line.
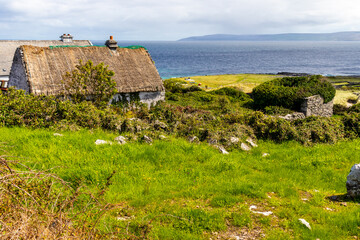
point(315, 106)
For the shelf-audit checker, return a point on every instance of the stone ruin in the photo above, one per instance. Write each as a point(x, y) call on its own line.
point(315, 106)
point(312, 106)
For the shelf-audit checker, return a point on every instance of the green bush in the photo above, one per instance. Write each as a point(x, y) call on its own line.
point(272, 128)
point(352, 124)
point(340, 109)
point(289, 92)
point(173, 85)
point(20, 109)
point(92, 80)
point(320, 130)
point(232, 93)
point(177, 86)
point(354, 108)
point(276, 110)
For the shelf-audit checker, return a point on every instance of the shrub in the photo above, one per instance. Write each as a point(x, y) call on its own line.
point(232, 92)
point(90, 80)
point(277, 110)
point(266, 127)
point(354, 108)
point(288, 92)
point(20, 109)
point(352, 123)
point(174, 85)
point(320, 130)
point(339, 109)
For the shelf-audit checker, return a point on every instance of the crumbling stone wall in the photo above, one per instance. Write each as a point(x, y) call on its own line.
point(315, 106)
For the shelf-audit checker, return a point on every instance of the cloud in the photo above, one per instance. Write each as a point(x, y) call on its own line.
point(173, 19)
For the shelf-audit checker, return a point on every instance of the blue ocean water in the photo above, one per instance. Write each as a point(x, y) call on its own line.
point(181, 59)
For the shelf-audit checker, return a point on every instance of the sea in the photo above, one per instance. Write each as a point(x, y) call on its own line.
point(185, 59)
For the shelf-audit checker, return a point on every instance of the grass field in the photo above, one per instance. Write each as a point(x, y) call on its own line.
point(246, 82)
point(343, 96)
point(176, 190)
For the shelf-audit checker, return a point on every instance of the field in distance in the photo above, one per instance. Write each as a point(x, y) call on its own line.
point(347, 87)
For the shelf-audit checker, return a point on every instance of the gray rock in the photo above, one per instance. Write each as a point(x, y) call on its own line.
point(222, 149)
point(147, 139)
point(121, 140)
point(192, 139)
point(162, 137)
point(251, 142)
point(353, 181)
point(58, 135)
point(303, 221)
point(265, 154)
point(160, 125)
point(234, 140)
point(293, 116)
point(100, 142)
point(212, 141)
point(245, 147)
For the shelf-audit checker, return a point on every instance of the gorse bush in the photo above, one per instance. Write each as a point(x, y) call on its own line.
point(289, 92)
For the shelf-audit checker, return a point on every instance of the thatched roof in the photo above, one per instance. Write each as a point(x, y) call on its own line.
point(8, 48)
point(134, 69)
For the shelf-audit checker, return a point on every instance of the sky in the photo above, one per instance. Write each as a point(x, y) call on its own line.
point(172, 19)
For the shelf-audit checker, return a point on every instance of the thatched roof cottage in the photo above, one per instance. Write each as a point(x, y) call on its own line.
point(8, 48)
point(39, 70)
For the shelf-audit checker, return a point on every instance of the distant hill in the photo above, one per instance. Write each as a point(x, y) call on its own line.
point(339, 36)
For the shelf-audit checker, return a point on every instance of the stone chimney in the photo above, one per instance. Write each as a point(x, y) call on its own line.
point(66, 38)
point(111, 43)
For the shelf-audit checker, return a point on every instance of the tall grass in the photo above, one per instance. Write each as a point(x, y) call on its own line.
point(176, 190)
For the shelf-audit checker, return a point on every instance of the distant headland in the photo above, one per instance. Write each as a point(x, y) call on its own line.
point(338, 36)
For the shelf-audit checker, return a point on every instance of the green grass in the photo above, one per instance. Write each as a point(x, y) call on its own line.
point(177, 190)
point(343, 96)
point(245, 82)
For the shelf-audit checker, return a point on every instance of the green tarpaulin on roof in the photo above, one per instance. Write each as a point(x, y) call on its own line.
point(66, 46)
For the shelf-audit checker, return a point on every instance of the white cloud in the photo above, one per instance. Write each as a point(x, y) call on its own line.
point(173, 19)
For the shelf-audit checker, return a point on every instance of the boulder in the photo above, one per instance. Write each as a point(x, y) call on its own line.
point(160, 125)
point(303, 221)
point(193, 139)
point(251, 142)
point(234, 140)
point(245, 147)
point(353, 181)
point(100, 142)
point(212, 141)
point(120, 140)
point(147, 139)
point(222, 149)
point(162, 137)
